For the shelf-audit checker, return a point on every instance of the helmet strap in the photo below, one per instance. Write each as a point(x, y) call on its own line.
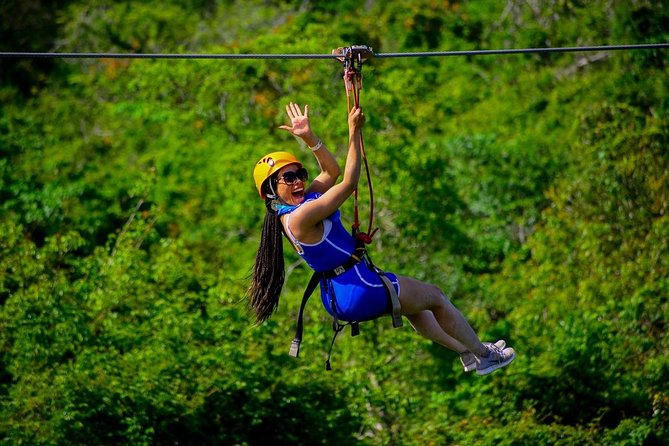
point(271, 188)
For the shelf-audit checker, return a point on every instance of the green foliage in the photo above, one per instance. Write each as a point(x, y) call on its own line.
point(532, 189)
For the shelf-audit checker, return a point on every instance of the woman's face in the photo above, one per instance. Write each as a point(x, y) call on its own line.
point(291, 184)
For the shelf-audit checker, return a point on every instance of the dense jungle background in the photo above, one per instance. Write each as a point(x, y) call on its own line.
point(533, 189)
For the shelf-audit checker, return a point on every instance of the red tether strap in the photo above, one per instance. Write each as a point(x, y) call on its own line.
point(353, 59)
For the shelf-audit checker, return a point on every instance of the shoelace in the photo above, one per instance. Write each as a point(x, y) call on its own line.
point(497, 352)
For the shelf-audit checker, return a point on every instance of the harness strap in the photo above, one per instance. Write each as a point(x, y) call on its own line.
point(297, 340)
point(355, 258)
point(316, 277)
point(337, 330)
point(396, 307)
point(394, 299)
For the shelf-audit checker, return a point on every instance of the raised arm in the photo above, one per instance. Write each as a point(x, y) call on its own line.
point(301, 127)
point(312, 213)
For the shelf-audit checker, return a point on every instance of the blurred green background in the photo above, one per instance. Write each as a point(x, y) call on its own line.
point(533, 189)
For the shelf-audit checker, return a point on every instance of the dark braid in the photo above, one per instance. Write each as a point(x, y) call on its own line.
point(268, 272)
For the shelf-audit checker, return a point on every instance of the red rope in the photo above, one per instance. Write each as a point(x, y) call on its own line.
point(353, 83)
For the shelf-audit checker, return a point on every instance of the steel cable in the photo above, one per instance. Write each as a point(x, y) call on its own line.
point(93, 55)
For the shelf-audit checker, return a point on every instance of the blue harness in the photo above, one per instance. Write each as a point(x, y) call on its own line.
point(352, 288)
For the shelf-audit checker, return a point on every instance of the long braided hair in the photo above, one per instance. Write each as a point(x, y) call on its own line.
point(268, 271)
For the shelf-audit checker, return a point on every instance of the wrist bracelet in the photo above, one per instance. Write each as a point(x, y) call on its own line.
point(317, 146)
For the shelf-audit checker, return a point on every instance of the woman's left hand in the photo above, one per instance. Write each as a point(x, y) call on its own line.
point(356, 119)
point(299, 121)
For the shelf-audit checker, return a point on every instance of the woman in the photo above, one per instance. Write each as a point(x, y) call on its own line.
point(309, 218)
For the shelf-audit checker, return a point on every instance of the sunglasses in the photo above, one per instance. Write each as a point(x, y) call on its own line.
point(290, 177)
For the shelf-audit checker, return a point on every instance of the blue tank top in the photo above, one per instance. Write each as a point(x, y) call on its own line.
point(358, 294)
point(335, 247)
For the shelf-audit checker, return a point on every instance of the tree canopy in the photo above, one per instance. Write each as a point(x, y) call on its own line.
point(533, 189)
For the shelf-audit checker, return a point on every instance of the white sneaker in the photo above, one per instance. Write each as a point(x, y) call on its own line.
point(468, 359)
point(496, 359)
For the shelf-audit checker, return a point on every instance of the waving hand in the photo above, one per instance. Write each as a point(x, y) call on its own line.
point(299, 121)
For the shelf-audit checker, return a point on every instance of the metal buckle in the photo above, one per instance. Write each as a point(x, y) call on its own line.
point(339, 270)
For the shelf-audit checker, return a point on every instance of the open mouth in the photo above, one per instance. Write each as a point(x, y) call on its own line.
point(298, 194)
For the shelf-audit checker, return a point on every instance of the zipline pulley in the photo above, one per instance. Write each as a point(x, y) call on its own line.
point(355, 54)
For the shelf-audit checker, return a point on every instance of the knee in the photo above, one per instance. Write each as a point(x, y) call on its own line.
point(417, 296)
point(436, 292)
point(437, 297)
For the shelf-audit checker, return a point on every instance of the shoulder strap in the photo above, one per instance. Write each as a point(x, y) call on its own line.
point(291, 238)
point(295, 345)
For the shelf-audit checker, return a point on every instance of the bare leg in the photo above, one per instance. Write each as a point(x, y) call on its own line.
point(426, 324)
point(417, 297)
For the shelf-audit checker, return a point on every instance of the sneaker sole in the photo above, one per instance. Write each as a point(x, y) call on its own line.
point(494, 367)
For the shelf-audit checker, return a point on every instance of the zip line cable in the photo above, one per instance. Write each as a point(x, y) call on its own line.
point(54, 55)
point(161, 56)
point(568, 49)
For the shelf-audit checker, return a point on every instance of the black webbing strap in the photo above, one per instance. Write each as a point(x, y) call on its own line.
point(337, 329)
point(295, 345)
point(355, 258)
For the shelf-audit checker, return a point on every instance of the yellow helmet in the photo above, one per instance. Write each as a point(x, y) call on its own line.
point(268, 165)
